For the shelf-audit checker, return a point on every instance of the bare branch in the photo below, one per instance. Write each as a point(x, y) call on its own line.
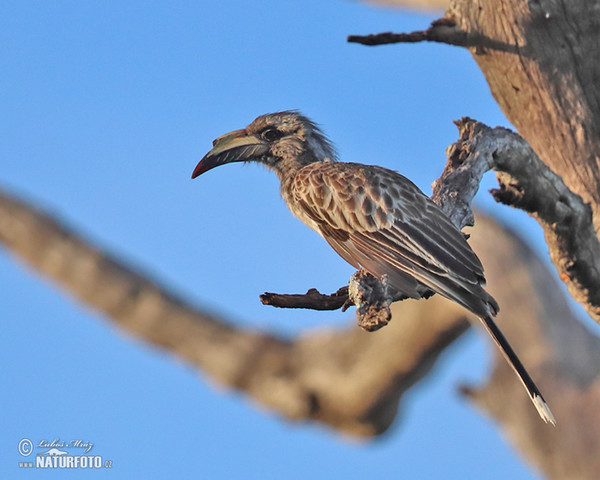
point(443, 30)
point(312, 299)
point(528, 184)
point(368, 293)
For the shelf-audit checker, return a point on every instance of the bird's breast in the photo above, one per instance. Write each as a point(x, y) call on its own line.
point(340, 196)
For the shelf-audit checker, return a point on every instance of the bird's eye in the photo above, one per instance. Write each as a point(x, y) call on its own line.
point(271, 134)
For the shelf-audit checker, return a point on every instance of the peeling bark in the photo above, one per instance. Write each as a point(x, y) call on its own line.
point(528, 184)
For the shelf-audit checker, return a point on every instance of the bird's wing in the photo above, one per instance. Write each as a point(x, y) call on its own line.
point(376, 218)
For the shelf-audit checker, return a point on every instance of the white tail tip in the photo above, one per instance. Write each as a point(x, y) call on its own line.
point(543, 410)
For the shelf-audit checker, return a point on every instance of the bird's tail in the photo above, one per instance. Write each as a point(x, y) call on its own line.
point(512, 359)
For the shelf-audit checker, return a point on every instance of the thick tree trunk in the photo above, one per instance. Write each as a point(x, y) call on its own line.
point(546, 79)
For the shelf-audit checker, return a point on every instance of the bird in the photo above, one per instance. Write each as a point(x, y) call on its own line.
point(373, 217)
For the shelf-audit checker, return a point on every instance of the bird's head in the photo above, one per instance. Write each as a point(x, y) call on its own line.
point(282, 141)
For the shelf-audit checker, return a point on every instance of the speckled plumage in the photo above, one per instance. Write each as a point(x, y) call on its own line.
point(379, 220)
point(372, 217)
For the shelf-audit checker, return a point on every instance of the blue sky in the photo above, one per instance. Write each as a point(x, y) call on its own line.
point(106, 109)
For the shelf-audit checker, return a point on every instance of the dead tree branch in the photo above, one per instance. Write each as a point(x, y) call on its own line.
point(313, 299)
point(443, 30)
point(528, 184)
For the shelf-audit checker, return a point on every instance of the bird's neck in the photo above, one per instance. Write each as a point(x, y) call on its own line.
point(287, 193)
point(289, 165)
point(286, 177)
point(287, 174)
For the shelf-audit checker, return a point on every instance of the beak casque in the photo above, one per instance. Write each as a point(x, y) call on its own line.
point(236, 146)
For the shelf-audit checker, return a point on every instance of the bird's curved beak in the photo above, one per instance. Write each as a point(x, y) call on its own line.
point(236, 146)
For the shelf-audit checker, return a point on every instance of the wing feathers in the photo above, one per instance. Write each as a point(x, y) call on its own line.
point(378, 219)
